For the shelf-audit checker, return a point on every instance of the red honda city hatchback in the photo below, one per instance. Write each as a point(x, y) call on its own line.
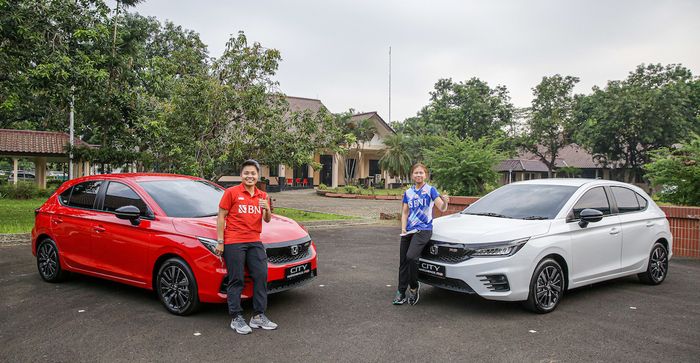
point(158, 232)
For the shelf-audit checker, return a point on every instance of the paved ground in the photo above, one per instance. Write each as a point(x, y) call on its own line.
point(308, 200)
point(349, 318)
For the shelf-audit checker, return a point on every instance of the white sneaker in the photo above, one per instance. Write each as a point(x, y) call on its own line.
point(238, 324)
point(261, 321)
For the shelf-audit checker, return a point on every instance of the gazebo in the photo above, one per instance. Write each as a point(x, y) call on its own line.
point(41, 147)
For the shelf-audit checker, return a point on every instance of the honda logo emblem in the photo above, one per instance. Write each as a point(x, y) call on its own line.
point(295, 250)
point(434, 250)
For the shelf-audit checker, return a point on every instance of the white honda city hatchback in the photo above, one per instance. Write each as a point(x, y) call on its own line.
point(531, 241)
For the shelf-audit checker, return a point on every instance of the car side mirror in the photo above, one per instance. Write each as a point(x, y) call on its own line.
point(590, 216)
point(129, 212)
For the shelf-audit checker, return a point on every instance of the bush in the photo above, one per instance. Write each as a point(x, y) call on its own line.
point(464, 167)
point(350, 189)
point(24, 190)
point(677, 173)
point(322, 186)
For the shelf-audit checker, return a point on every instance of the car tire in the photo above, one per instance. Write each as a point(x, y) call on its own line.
point(176, 287)
point(657, 267)
point(48, 261)
point(547, 287)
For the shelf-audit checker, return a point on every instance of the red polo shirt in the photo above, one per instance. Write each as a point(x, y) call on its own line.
point(244, 218)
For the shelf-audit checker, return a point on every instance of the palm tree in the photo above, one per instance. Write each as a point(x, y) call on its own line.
point(397, 158)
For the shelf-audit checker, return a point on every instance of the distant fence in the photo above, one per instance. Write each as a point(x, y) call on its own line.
point(684, 222)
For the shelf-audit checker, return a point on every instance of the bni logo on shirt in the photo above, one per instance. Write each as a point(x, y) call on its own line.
point(249, 209)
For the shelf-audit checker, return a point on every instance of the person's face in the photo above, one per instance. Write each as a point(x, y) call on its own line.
point(249, 174)
point(419, 175)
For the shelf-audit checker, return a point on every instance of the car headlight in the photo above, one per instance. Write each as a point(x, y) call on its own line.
point(209, 243)
point(499, 249)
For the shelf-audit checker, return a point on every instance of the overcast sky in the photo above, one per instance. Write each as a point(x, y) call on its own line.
point(337, 51)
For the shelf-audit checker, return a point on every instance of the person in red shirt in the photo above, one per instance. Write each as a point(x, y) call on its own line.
point(241, 212)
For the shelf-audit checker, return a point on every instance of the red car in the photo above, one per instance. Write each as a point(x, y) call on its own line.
point(156, 231)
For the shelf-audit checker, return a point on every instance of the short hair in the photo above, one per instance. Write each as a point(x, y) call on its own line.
point(250, 162)
point(420, 165)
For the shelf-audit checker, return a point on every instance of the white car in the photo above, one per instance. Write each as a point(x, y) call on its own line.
point(531, 241)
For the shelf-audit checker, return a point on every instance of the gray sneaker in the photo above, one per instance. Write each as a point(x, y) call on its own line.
point(238, 324)
point(261, 321)
point(413, 295)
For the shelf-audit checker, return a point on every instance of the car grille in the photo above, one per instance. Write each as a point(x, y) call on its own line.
point(277, 285)
point(444, 252)
point(289, 253)
point(446, 283)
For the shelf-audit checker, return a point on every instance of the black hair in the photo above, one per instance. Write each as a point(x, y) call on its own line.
point(250, 162)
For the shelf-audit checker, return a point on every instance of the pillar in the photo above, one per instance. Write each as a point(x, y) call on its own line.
point(15, 169)
point(40, 167)
point(334, 171)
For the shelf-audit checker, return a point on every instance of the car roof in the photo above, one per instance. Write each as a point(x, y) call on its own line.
point(137, 177)
point(576, 182)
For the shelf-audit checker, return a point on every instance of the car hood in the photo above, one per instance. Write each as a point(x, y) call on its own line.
point(279, 229)
point(466, 228)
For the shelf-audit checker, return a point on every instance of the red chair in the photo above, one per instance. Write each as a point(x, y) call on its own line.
point(305, 182)
point(297, 181)
point(290, 182)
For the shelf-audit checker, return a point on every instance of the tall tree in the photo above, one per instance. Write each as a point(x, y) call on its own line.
point(547, 128)
point(470, 109)
point(677, 172)
point(653, 108)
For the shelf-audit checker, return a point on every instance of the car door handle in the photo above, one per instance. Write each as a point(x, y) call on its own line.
point(99, 229)
point(57, 221)
point(614, 230)
point(650, 224)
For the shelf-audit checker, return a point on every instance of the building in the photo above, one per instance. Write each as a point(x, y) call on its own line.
point(362, 167)
point(40, 147)
point(528, 166)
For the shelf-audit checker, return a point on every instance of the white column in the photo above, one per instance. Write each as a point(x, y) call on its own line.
point(334, 173)
point(15, 168)
point(40, 175)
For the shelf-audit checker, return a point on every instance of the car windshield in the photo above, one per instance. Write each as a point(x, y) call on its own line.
point(185, 198)
point(523, 201)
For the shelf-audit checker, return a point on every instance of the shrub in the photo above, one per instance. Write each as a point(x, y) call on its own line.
point(677, 173)
point(322, 186)
point(350, 189)
point(23, 190)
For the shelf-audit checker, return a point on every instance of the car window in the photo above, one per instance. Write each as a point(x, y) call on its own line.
point(185, 198)
point(642, 201)
point(119, 195)
point(595, 198)
point(65, 196)
point(84, 194)
point(527, 201)
point(626, 199)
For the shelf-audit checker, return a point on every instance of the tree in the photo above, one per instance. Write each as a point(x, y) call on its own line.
point(551, 119)
point(397, 159)
point(654, 107)
point(356, 134)
point(677, 172)
point(468, 109)
point(464, 167)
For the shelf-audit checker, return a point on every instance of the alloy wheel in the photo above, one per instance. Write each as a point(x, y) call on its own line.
point(658, 264)
point(550, 285)
point(48, 261)
point(174, 288)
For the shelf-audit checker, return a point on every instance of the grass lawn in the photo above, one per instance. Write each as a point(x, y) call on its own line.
point(17, 216)
point(304, 216)
point(367, 192)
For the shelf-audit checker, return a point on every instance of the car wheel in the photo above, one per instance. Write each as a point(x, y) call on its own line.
point(176, 287)
point(657, 268)
point(546, 287)
point(48, 263)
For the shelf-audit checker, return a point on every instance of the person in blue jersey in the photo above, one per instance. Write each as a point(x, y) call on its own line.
point(416, 230)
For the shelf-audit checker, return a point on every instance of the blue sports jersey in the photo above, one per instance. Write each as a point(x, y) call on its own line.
point(420, 207)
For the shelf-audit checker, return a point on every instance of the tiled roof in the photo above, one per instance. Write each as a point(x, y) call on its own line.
point(297, 104)
point(366, 115)
point(569, 155)
point(35, 142)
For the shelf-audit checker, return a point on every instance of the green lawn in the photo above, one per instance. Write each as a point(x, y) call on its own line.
point(17, 216)
point(366, 192)
point(304, 216)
